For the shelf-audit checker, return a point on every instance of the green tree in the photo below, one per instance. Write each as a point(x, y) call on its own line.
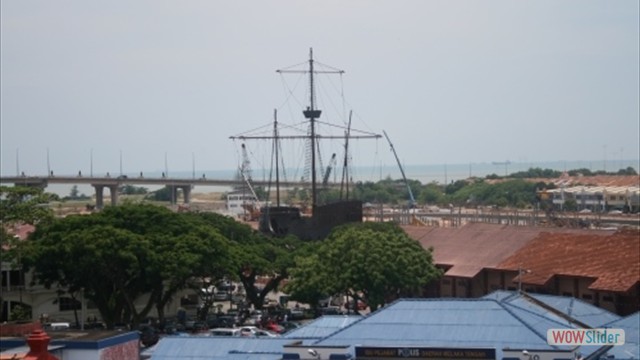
point(628, 171)
point(374, 262)
point(74, 194)
point(25, 205)
point(20, 312)
point(122, 253)
point(256, 255)
point(163, 194)
point(431, 193)
point(570, 205)
point(21, 205)
point(133, 190)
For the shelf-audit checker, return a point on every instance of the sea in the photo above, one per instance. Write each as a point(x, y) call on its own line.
point(434, 173)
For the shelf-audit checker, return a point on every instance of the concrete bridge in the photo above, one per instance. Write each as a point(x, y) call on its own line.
point(113, 183)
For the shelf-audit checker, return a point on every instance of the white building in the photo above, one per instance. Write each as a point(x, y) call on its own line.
point(598, 198)
point(238, 201)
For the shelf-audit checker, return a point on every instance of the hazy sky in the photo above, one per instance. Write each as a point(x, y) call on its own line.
point(91, 83)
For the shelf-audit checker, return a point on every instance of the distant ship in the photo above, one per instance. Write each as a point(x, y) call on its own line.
point(280, 220)
point(501, 162)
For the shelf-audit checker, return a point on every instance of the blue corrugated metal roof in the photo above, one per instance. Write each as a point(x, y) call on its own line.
point(501, 320)
point(578, 309)
point(631, 347)
point(446, 323)
point(322, 327)
point(213, 347)
point(575, 308)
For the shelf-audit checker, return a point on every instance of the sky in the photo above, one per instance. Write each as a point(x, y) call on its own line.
point(152, 85)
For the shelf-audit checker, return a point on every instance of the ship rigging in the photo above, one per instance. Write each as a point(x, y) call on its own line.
point(284, 220)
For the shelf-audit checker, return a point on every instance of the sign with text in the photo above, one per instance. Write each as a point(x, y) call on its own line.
point(389, 353)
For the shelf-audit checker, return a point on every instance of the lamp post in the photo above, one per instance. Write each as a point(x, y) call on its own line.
point(520, 272)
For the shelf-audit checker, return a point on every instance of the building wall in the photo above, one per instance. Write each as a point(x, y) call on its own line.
point(81, 354)
point(126, 351)
point(45, 302)
point(489, 280)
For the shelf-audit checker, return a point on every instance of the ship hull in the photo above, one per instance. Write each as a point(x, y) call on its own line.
point(285, 220)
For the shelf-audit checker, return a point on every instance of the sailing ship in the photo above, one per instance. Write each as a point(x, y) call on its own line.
point(281, 220)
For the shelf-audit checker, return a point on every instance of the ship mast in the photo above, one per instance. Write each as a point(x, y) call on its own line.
point(313, 115)
point(276, 145)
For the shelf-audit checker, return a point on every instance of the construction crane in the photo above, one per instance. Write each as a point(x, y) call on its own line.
point(327, 173)
point(245, 168)
point(245, 172)
point(412, 201)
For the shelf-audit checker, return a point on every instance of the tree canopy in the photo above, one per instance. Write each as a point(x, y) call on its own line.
point(122, 253)
point(373, 262)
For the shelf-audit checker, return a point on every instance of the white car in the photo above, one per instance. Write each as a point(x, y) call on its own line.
point(252, 331)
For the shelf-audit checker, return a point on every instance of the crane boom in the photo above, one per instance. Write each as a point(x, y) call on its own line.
point(245, 172)
point(412, 201)
point(327, 173)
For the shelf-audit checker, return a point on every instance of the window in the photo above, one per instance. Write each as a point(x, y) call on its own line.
point(68, 304)
point(567, 294)
point(587, 296)
point(446, 282)
point(608, 298)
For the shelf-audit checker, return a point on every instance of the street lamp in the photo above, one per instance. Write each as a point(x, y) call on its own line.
point(314, 353)
point(520, 272)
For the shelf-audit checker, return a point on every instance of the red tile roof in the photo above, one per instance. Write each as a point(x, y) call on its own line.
point(613, 260)
point(22, 231)
point(466, 250)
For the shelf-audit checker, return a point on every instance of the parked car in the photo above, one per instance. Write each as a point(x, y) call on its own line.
point(221, 321)
point(351, 305)
point(200, 327)
point(225, 332)
point(296, 314)
point(253, 331)
point(59, 326)
point(149, 335)
point(289, 325)
point(221, 296)
point(330, 310)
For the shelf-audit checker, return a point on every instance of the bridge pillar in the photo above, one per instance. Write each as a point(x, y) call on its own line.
point(114, 194)
point(173, 190)
point(99, 196)
point(113, 189)
point(186, 191)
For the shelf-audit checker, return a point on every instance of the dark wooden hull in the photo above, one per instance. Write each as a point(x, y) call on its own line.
point(285, 220)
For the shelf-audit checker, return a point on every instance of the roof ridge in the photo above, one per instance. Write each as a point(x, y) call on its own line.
point(538, 315)
point(554, 310)
point(622, 318)
point(394, 303)
point(541, 336)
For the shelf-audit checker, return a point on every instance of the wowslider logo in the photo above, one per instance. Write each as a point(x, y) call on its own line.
point(598, 337)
